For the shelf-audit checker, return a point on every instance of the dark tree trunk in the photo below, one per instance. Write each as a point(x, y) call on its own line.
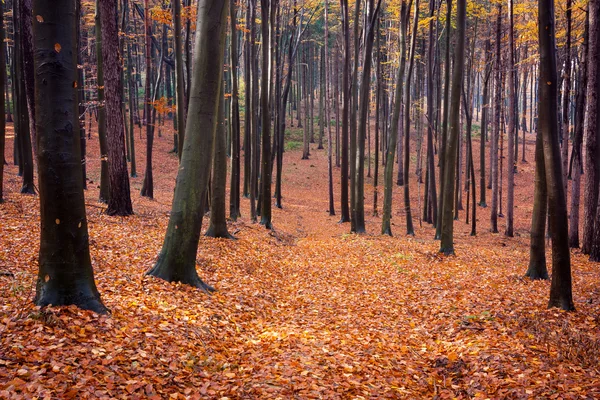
point(177, 259)
point(345, 217)
point(560, 287)
point(447, 239)
point(104, 173)
point(496, 126)
point(512, 125)
point(217, 227)
point(592, 130)
point(65, 273)
point(2, 115)
point(234, 192)
point(148, 184)
point(576, 153)
point(119, 200)
point(265, 180)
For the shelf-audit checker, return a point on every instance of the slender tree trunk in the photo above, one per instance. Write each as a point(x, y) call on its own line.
point(265, 114)
point(179, 84)
point(512, 126)
point(386, 228)
point(447, 238)
point(345, 217)
point(65, 274)
point(410, 230)
point(104, 172)
point(148, 184)
point(484, 123)
point(2, 103)
point(234, 190)
point(496, 125)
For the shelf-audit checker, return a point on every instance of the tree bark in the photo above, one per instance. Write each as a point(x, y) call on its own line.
point(65, 274)
point(119, 200)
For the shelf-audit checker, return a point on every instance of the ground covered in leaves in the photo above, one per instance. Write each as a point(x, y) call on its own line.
point(304, 311)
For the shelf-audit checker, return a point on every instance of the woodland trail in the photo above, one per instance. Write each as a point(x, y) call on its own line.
point(305, 311)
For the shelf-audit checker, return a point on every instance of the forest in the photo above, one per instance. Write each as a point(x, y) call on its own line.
point(300, 199)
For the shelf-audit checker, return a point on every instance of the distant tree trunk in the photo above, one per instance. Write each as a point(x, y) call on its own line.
point(430, 189)
point(247, 104)
point(148, 184)
point(566, 97)
point(365, 84)
point(447, 242)
point(177, 259)
point(2, 104)
point(386, 228)
point(321, 97)
point(537, 249)
point(410, 230)
point(443, 146)
point(327, 78)
point(496, 124)
point(378, 96)
point(218, 224)
point(104, 173)
point(132, 110)
point(65, 274)
point(179, 85)
point(345, 217)
point(484, 122)
point(512, 126)
point(23, 136)
point(576, 153)
point(234, 191)
point(119, 200)
point(560, 287)
point(26, 29)
point(265, 214)
point(592, 130)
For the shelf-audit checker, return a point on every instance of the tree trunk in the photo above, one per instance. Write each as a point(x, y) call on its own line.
point(179, 84)
point(148, 184)
point(496, 125)
point(119, 200)
point(234, 191)
point(512, 125)
point(410, 230)
point(65, 274)
point(386, 228)
point(265, 214)
point(177, 259)
point(345, 217)
point(447, 238)
point(2, 104)
point(560, 287)
point(104, 173)
point(592, 130)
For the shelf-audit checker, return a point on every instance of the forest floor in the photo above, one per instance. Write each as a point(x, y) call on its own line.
point(304, 311)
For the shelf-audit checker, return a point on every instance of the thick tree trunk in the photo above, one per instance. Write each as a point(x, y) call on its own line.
point(119, 200)
point(592, 130)
point(560, 287)
point(65, 273)
point(177, 259)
